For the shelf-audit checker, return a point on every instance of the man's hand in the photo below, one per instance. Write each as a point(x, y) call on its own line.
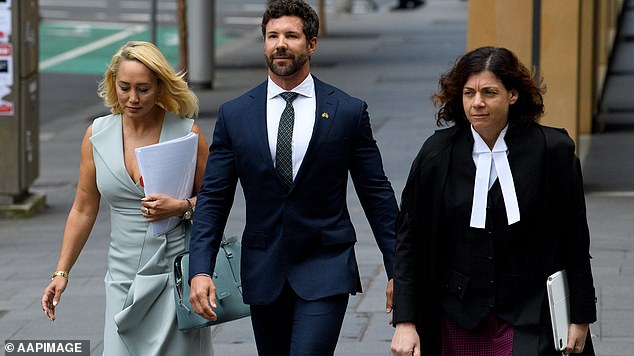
point(202, 296)
point(577, 334)
point(405, 341)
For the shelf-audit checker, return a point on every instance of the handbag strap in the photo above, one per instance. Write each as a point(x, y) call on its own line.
point(228, 245)
point(178, 278)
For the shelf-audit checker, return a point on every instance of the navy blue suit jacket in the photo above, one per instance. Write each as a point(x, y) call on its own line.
point(303, 235)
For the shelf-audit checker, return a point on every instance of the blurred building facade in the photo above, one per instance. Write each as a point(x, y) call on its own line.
point(568, 41)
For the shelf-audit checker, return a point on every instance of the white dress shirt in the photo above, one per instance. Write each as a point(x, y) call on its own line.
point(304, 105)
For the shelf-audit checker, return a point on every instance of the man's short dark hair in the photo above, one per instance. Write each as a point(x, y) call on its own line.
point(299, 8)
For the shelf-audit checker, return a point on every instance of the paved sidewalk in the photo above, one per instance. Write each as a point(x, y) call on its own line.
point(390, 59)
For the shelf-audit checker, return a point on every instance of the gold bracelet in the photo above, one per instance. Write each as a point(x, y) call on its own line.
point(59, 273)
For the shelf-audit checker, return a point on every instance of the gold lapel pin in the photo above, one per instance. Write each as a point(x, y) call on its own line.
point(324, 115)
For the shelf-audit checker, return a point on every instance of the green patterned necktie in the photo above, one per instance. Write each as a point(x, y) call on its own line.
point(284, 150)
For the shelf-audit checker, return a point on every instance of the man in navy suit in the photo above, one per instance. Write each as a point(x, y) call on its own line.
point(298, 259)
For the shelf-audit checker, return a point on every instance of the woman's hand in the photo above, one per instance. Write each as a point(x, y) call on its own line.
point(52, 295)
point(157, 207)
point(577, 334)
point(406, 341)
point(389, 298)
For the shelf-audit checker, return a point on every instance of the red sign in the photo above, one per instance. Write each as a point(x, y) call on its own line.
point(5, 49)
point(6, 109)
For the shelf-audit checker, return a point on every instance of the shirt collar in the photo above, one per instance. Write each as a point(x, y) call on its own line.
point(305, 88)
point(479, 146)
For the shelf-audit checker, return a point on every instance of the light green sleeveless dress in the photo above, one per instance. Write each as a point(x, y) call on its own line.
point(140, 311)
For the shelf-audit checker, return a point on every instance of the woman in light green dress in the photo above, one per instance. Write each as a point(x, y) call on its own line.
point(150, 103)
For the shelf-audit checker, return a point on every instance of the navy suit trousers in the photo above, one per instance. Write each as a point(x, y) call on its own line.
point(293, 326)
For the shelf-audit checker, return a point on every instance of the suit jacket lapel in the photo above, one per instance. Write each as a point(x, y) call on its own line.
point(325, 110)
point(260, 132)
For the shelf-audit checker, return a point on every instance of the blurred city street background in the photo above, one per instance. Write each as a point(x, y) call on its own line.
point(390, 59)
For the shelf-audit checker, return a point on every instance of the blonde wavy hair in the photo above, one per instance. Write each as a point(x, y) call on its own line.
point(174, 94)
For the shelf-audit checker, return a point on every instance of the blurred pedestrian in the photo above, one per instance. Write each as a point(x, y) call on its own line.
point(493, 205)
point(347, 6)
point(150, 103)
point(408, 4)
point(292, 142)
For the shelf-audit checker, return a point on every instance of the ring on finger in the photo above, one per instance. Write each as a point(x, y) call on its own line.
point(147, 211)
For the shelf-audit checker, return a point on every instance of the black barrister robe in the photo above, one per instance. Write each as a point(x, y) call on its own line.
point(556, 237)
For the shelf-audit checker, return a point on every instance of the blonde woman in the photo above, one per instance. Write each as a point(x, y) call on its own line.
point(150, 103)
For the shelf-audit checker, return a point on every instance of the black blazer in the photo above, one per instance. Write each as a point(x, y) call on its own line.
point(303, 235)
point(557, 222)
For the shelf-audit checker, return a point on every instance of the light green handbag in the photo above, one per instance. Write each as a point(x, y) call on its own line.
point(226, 278)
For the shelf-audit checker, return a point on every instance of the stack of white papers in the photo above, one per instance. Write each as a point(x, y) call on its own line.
point(168, 168)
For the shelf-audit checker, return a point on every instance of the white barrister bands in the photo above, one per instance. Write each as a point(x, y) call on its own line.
point(480, 190)
point(492, 164)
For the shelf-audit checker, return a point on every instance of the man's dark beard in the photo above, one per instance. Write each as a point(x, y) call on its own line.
point(296, 63)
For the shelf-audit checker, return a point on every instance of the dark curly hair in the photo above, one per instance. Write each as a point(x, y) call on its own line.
point(299, 8)
point(504, 64)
